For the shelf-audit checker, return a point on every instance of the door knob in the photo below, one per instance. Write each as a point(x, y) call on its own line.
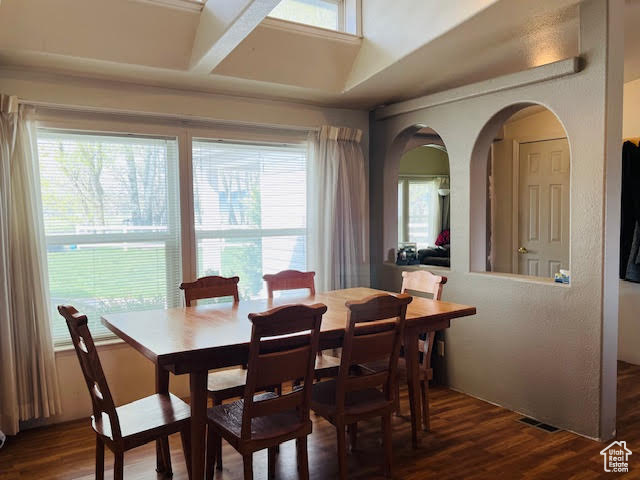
point(523, 250)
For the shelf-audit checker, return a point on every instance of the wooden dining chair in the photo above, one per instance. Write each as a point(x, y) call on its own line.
point(268, 419)
point(131, 425)
point(222, 384)
point(424, 282)
point(350, 397)
point(210, 287)
point(326, 365)
point(290, 280)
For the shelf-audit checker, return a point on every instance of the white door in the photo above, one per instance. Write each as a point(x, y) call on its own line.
point(543, 208)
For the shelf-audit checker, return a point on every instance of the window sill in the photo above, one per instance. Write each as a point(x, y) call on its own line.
point(310, 30)
point(497, 275)
point(106, 344)
point(522, 278)
point(418, 267)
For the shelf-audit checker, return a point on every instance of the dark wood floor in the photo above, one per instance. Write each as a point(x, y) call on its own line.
point(470, 439)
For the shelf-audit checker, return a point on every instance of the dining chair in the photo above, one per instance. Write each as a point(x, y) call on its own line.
point(326, 365)
point(210, 287)
point(266, 420)
point(128, 426)
point(290, 280)
point(373, 333)
point(222, 384)
point(421, 281)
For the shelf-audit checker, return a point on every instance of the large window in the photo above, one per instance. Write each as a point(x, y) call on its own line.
point(111, 220)
point(418, 211)
point(250, 210)
point(319, 13)
point(112, 210)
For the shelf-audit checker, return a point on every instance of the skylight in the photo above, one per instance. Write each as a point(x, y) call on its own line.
point(318, 13)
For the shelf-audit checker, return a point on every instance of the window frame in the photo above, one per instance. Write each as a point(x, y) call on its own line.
point(104, 123)
point(349, 18)
point(405, 180)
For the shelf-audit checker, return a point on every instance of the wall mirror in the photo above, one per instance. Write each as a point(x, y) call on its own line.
point(423, 201)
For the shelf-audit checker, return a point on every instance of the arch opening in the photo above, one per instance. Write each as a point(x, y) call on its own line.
point(418, 166)
point(520, 195)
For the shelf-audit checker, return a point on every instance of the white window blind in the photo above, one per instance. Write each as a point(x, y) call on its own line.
point(111, 218)
point(250, 209)
point(319, 13)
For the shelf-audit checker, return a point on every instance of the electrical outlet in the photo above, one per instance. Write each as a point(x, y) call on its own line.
point(441, 348)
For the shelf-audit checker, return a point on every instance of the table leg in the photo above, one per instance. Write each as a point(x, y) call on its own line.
point(162, 444)
point(411, 353)
point(198, 386)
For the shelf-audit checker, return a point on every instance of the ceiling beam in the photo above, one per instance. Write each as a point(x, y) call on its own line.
point(223, 25)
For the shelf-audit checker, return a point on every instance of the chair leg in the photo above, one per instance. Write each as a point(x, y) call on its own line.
point(166, 456)
point(271, 461)
point(118, 466)
point(303, 458)
point(217, 442)
point(388, 446)
point(396, 385)
point(212, 453)
point(353, 436)
point(99, 458)
point(218, 446)
point(342, 451)
point(424, 390)
point(247, 461)
point(185, 436)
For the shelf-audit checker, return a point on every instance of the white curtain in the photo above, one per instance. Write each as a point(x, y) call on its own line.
point(338, 210)
point(28, 377)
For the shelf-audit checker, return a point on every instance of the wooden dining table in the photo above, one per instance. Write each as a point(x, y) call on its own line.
point(194, 340)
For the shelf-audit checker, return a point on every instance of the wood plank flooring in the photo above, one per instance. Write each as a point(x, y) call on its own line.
point(470, 439)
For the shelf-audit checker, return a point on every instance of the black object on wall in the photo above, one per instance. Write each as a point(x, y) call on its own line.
point(630, 221)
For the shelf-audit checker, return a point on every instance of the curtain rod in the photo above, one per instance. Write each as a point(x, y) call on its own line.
point(163, 116)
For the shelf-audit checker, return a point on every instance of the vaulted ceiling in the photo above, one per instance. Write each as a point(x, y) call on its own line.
point(407, 48)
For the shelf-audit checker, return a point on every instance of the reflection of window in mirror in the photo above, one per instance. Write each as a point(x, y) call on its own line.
point(528, 178)
point(423, 202)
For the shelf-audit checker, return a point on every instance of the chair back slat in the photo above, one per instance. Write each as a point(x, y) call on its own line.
point(362, 382)
point(290, 401)
point(210, 287)
point(423, 281)
point(376, 307)
point(273, 361)
point(290, 280)
point(273, 367)
point(374, 332)
point(371, 347)
point(101, 399)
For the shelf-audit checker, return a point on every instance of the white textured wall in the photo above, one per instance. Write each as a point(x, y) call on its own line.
point(535, 347)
